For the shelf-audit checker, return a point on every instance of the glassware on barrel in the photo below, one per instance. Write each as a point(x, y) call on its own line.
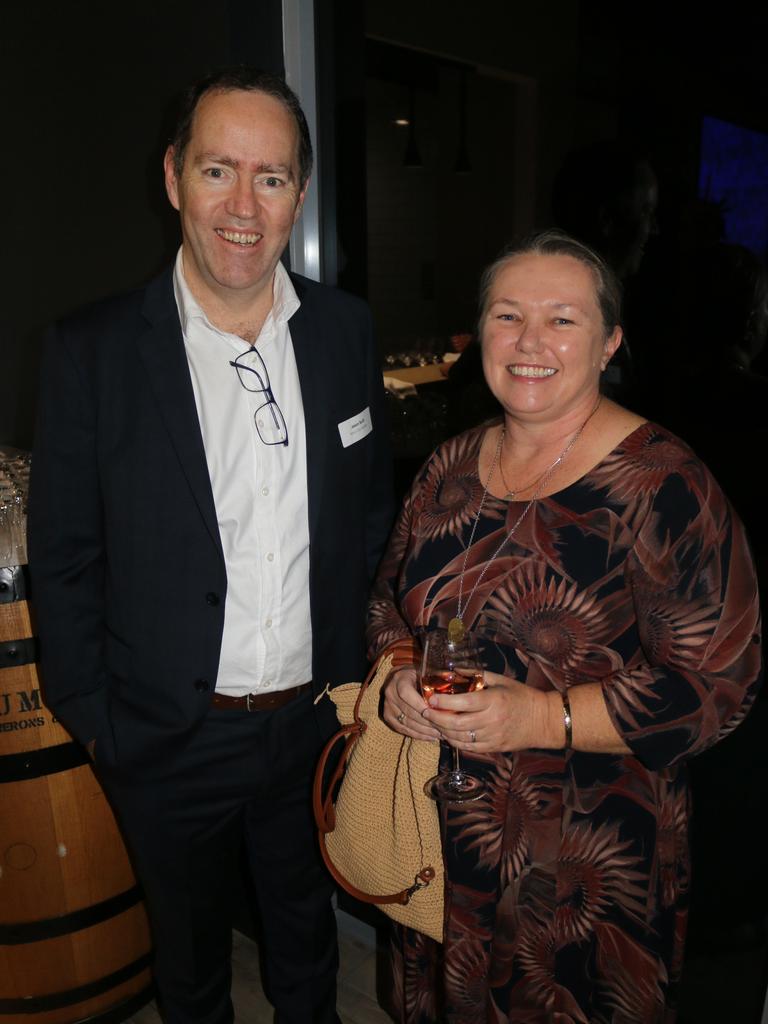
point(451, 666)
point(14, 487)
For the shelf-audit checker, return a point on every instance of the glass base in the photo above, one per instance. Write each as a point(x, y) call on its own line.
point(455, 787)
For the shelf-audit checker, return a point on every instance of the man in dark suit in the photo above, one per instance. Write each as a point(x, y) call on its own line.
point(210, 496)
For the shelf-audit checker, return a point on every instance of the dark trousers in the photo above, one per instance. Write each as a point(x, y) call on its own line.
point(242, 775)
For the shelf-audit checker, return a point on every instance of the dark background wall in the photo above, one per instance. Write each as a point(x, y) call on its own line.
point(541, 80)
point(87, 90)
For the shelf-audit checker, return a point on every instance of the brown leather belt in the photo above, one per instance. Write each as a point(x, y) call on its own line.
point(259, 701)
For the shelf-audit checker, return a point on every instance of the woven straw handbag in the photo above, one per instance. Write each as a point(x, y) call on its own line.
point(380, 836)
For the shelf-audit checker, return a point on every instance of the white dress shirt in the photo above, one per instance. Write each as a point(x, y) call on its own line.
point(260, 493)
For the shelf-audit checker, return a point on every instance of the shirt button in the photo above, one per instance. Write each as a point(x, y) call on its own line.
point(270, 557)
point(201, 685)
point(265, 491)
point(212, 598)
point(268, 623)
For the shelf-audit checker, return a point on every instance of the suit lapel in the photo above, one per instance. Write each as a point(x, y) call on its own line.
point(162, 350)
point(307, 348)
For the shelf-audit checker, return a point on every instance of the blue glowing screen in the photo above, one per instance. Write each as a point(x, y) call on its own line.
point(734, 172)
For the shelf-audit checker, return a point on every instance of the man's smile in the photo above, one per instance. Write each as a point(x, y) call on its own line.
point(239, 237)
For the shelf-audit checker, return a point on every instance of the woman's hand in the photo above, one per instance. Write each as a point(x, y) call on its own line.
point(503, 715)
point(403, 706)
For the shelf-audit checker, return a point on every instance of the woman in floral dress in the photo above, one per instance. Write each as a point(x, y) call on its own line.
point(612, 589)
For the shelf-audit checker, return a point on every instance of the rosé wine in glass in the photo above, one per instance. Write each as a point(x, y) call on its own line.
point(450, 666)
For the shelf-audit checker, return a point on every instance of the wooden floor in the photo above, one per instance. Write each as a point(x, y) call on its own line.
point(357, 1003)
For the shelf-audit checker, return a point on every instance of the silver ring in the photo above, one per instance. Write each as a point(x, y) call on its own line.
point(401, 717)
point(472, 737)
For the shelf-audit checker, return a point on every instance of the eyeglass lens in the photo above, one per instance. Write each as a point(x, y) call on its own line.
point(254, 377)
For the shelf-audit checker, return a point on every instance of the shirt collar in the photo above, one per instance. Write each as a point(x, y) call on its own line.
point(285, 301)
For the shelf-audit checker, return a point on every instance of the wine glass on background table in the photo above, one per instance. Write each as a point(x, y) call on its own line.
point(451, 666)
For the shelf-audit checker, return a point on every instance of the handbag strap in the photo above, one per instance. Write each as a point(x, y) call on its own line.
point(322, 802)
point(404, 651)
point(403, 654)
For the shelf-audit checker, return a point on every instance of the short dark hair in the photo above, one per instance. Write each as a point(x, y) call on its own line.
point(249, 79)
point(552, 242)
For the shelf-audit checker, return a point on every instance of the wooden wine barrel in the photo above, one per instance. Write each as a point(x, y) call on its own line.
point(74, 939)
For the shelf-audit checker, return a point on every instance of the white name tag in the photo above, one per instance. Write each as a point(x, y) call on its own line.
point(356, 427)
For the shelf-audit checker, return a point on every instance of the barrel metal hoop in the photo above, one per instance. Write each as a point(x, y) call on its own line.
point(33, 764)
point(18, 652)
point(56, 1000)
point(75, 921)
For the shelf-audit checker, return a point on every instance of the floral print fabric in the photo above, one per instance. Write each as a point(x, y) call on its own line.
point(567, 882)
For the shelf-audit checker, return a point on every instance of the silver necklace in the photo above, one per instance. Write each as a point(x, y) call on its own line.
point(456, 629)
point(510, 495)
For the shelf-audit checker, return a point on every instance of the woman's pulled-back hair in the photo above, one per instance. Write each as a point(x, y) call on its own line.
point(552, 242)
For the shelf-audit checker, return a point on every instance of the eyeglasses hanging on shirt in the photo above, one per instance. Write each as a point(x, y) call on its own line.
point(253, 375)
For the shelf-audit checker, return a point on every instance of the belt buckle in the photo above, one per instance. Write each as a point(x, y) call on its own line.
point(248, 703)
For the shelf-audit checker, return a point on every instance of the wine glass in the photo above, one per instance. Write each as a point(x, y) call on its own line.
point(451, 666)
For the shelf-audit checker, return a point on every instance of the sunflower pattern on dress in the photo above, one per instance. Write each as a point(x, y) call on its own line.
point(567, 881)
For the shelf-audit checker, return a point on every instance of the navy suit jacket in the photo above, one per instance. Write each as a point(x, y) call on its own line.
point(128, 575)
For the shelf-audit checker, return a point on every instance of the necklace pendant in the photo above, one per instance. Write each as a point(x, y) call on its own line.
point(456, 631)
